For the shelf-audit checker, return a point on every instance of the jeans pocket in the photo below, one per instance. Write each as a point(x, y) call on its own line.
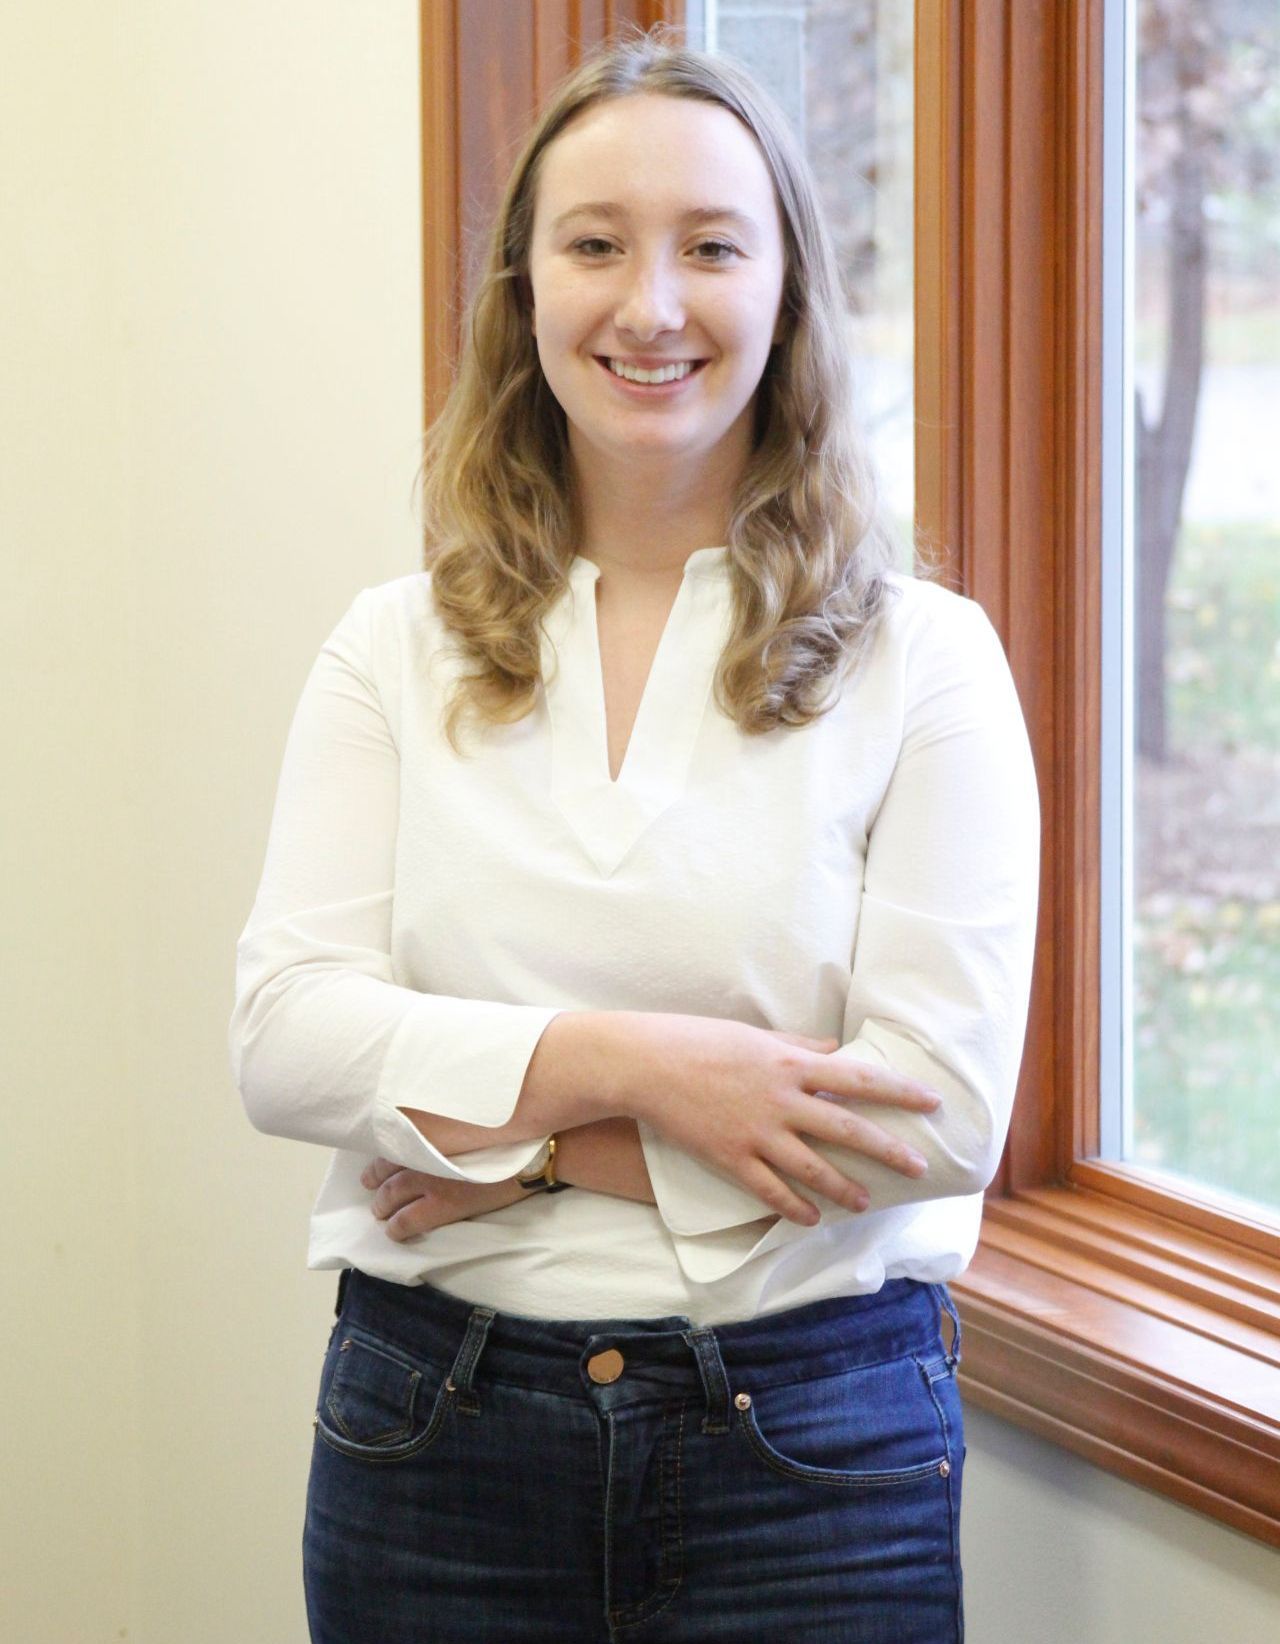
point(376, 1403)
point(874, 1427)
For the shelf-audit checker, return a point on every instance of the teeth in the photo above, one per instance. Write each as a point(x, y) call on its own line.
point(666, 373)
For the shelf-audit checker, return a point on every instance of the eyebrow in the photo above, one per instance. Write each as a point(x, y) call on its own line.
point(695, 216)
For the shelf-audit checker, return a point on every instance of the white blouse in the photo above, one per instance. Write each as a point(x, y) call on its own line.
point(422, 916)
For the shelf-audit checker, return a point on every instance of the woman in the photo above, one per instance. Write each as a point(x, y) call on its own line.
point(660, 843)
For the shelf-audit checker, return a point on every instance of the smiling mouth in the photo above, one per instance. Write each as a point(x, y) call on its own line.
point(675, 371)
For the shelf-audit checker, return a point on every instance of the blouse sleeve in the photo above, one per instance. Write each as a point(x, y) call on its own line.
point(325, 1045)
point(941, 971)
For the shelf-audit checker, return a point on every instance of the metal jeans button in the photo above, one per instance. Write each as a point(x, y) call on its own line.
point(606, 1366)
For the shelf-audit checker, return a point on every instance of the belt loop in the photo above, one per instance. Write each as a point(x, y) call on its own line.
point(343, 1279)
point(944, 1298)
point(464, 1365)
point(715, 1384)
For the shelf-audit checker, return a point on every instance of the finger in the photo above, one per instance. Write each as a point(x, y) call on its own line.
point(411, 1222)
point(842, 1076)
point(830, 1122)
point(374, 1174)
point(403, 1188)
point(815, 1173)
point(769, 1187)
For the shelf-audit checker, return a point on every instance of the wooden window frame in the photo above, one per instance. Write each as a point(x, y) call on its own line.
point(1105, 1308)
point(1117, 1313)
point(507, 57)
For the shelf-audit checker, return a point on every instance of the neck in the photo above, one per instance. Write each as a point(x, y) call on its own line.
point(643, 519)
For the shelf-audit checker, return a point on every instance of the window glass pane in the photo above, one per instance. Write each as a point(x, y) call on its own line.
point(1204, 880)
point(843, 71)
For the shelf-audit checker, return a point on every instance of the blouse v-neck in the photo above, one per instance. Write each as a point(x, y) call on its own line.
point(608, 815)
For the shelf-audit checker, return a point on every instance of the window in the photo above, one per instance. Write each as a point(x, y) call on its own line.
point(843, 72)
point(1129, 1312)
point(1193, 292)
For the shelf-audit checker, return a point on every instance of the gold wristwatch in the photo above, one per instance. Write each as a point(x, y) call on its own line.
point(540, 1177)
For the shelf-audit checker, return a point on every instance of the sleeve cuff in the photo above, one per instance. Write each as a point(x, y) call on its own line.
point(694, 1198)
point(408, 1146)
point(463, 1059)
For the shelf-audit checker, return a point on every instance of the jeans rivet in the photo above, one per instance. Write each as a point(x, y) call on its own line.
point(345, 1345)
point(449, 1386)
point(742, 1401)
point(944, 1467)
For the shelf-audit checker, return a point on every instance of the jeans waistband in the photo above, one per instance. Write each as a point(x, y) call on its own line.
point(662, 1356)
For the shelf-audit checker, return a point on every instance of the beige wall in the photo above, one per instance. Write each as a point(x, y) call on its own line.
point(209, 431)
point(211, 343)
point(71, 1498)
point(1057, 1551)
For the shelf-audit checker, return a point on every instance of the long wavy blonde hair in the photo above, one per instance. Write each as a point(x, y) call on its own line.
point(807, 546)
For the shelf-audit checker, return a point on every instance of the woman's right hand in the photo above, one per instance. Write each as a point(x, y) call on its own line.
point(743, 1099)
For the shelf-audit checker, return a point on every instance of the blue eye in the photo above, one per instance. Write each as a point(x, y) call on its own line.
point(592, 246)
point(720, 251)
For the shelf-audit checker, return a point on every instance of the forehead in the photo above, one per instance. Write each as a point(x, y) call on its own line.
point(655, 152)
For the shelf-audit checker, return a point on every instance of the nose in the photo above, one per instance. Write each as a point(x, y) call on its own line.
point(652, 301)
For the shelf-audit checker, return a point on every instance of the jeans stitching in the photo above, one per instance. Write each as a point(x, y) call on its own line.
point(812, 1379)
point(953, 1514)
point(608, 1518)
point(383, 1438)
point(631, 1615)
point(873, 1480)
point(356, 1452)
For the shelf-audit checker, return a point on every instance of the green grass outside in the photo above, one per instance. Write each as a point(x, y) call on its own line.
point(1223, 656)
point(1206, 971)
point(1206, 981)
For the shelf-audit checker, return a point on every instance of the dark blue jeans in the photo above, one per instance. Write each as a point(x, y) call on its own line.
point(481, 1477)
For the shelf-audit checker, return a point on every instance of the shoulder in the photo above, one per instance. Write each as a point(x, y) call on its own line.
point(949, 666)
point(917, 604)
point(404, 601)
point(932, 626)
point(383, 620)
point(388, 636)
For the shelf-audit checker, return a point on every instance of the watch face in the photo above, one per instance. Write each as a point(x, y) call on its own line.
point(534, 1174)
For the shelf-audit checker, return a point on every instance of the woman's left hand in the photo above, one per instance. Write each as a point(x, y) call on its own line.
point(411, 1202)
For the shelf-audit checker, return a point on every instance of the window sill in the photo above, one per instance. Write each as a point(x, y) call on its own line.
point(1149, 1347)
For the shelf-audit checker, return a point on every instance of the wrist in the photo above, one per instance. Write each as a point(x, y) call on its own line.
point(541, 1174)
point(508, 1192)
point(605, 1157)
point(619, 1045)
point(583, 1068)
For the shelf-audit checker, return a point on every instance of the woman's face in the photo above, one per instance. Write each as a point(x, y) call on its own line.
point(657, 250)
